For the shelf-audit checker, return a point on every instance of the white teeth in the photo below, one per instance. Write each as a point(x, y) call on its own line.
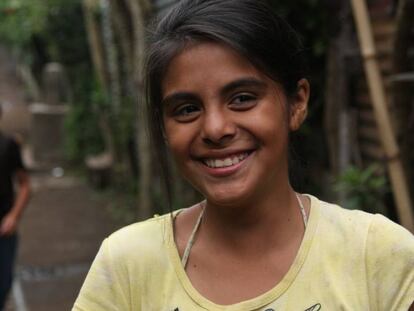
point(219, 163)
point(228, 162)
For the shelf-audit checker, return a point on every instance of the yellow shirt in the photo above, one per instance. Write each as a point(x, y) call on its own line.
point(348, 260)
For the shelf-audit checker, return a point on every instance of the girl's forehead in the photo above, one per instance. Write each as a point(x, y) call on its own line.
point(206, 60)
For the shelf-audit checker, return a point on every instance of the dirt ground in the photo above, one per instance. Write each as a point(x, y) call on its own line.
point(64, 223)
point(60, 234)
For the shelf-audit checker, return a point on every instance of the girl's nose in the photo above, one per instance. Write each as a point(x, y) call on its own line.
point(217, 129)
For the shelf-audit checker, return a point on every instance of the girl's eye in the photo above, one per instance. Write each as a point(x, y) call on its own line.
point(243, 101)
point(186, 112)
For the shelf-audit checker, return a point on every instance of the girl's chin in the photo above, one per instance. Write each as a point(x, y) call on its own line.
point(227, 198)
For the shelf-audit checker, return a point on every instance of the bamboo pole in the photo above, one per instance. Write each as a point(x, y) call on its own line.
point(138, 13)
point(377, 93)
point(95, 41)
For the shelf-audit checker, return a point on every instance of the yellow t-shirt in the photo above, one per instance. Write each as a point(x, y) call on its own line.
point(348, 260)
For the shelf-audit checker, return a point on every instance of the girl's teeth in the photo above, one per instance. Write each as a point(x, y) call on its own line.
point(219, 163)
point(225, 162)
point(228, 162)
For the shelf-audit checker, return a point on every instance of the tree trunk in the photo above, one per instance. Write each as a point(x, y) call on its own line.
point(90, 7)
point(111, 56)
point(139, 11)
point(122, 23)
point(95, 41)
point(339, 119)
point(402, 96)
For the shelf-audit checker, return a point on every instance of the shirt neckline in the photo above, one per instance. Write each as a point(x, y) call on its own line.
point(263, 299)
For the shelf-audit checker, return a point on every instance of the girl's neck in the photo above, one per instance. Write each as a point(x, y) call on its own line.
point(272, 219)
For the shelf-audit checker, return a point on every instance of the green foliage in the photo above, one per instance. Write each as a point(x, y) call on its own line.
point(20, 20)
point(64, 33)
point(84, 137)
point(364, 188)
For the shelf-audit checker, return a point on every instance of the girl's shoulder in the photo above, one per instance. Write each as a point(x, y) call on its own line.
point(373, 232)
point(143, 238)
point(144, 226)
point(336, 215)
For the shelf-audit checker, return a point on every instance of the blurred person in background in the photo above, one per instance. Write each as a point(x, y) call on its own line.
point(12, 204)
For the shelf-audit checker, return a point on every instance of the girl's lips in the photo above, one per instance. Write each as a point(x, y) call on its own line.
point(226, 161)
point(226, 170)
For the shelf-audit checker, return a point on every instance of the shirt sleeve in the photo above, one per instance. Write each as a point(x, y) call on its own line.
point(15, 157)
point(104, 286)
point(390, 265)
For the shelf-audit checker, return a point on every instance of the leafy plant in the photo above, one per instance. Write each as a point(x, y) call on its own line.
point(363, 188)
point(20, 20)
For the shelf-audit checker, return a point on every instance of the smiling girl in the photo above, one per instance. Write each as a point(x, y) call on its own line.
point(226, 86)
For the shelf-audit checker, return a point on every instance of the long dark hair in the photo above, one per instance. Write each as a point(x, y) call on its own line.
point(250, 27)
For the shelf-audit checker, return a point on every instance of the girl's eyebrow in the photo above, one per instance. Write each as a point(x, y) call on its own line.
point(243, 82)
point(178, 96)
point(228, 88)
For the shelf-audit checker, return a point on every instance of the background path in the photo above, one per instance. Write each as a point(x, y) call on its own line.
point(60, 233)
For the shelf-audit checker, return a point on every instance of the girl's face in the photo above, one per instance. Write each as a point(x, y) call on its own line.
point(227, 123)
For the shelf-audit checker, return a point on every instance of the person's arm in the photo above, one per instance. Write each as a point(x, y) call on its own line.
point(412, 307)
point(9, 223)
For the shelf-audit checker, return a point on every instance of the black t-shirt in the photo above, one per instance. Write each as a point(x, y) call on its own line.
point(10, 163)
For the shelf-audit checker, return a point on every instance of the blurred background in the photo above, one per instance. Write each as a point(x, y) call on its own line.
point(71, 91)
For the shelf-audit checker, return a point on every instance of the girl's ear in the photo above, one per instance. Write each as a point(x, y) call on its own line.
point(299, 105)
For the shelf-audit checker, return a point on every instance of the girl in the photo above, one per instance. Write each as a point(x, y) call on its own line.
point(226, 86)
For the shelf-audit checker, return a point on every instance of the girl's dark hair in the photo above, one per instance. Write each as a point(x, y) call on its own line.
point(250, 27)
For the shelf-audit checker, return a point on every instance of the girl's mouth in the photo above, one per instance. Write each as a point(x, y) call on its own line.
point(227, 161)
